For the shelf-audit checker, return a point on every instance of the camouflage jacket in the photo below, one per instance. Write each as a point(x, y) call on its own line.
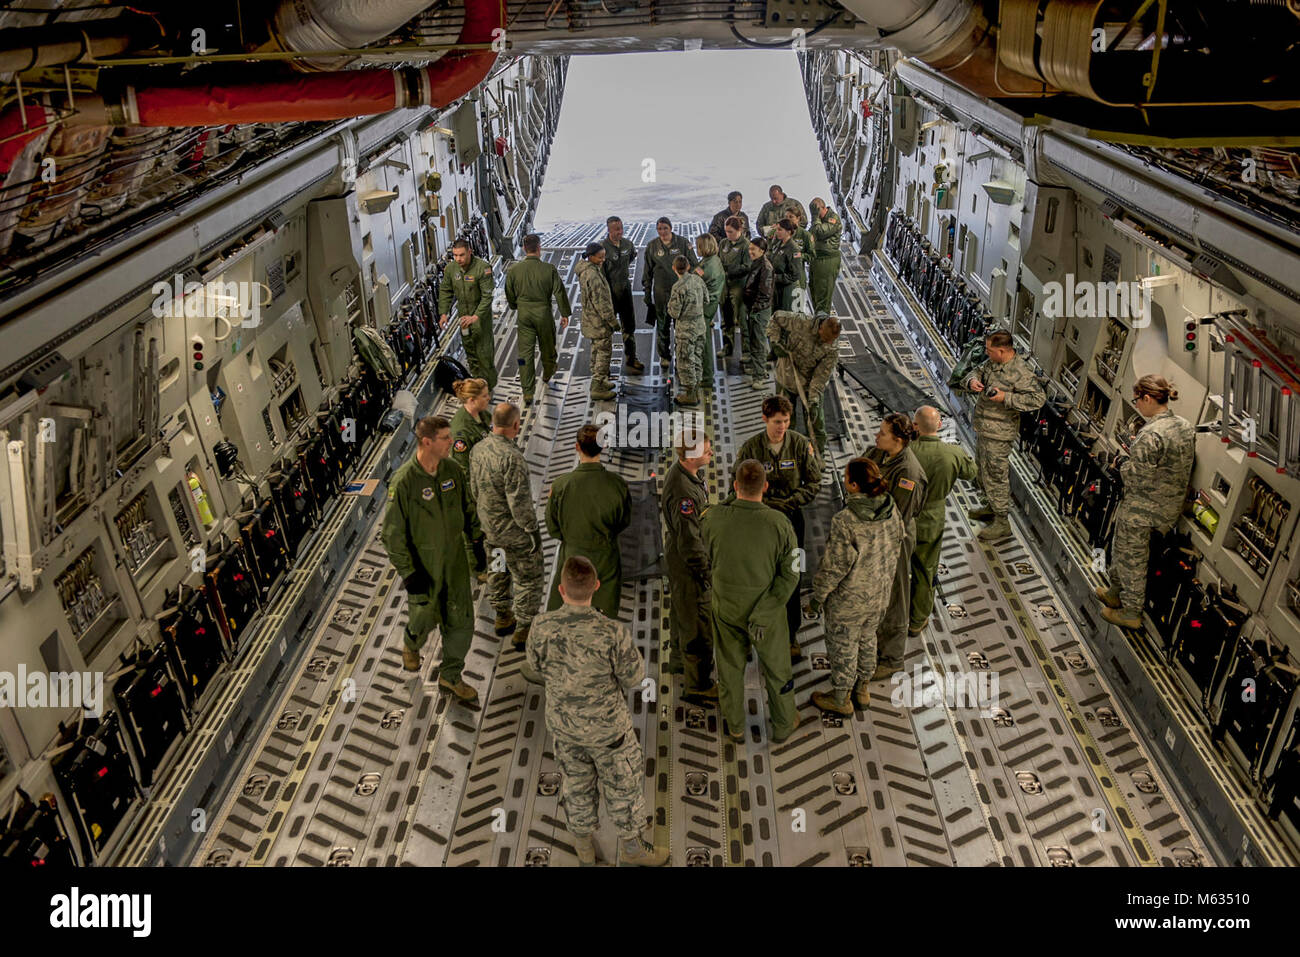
point(598, 319)
point(772, 213)
point(1001, 420)
point(1157, 472)
point(588, 665)
point(813, 360)
point(686, 302)
point(503, 494)
point(856, 575)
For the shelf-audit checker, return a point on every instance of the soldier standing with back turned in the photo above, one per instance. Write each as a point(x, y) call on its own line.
point(503, 495)
point(530, 284)
point(588, 666)
point(683, 501)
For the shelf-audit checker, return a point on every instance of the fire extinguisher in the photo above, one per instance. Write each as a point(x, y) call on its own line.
point(200, 499)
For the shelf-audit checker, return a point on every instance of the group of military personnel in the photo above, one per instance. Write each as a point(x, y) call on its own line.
point(685, 287)
point(464, 505)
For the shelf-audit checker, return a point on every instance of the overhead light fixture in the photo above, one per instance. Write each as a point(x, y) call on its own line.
point(376, 201)
point(1000, 192)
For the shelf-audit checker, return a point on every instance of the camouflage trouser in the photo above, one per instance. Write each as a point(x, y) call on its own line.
point(690, 354)
point(691, 630)
point(851, 647)
point(733, 317)
point(991, 458)
point(892, 632)
point(451, 608)
point(1129, 554)
point(602, 350)
point(731, 643)
point(814, 417)
point(525, 570)
point(616, 771)
point(825, 269)
point(755, 343)
point(480, 351)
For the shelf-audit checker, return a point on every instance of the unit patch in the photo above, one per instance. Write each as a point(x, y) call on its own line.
point(426, 493)
point(448, 485)
point(786, 464)
point(460, 445)
point(688, 506)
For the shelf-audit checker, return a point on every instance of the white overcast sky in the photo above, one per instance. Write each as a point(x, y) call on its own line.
point(712, 121)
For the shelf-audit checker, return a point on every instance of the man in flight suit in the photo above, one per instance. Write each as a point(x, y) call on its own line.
point(753, 555)
point(620, 259)
point(586, 511)
point(778, 207)
point(683, 501)
point(530, 284)
point(826, 230)
point(426, 525)
point(794, 476)
point(944, 464)
point(469, 280)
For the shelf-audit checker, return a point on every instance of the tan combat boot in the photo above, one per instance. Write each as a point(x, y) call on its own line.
point(521, 636)
point(505, 623)
point(602, 391)
point(638, 852)
point(828, 701)
point(463, 692)
point(981, 514)
point(1108, 596)
point(1117, 616)
point(884, 671)
point(586, 850)
point(998, 528)
point(410, 659)
point(861, 695)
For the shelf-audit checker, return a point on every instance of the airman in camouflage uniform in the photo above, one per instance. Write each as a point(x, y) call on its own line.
point(530, 284)
point(683, 501)
point(503, 496)
point(470, 425)
point(425, 527)
point(589, 665)
point(906, 482)
point(794, 477)
point(854, 583)
point(686, 308)
point(752, 553)
point(944, 464)
point(469, 280)
point(598, 319)
point(826, 230)
point(1006, 386)
point(1156, 475)
point(778, 207)
point(807, 350)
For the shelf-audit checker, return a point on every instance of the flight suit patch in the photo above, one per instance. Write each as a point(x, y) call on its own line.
point(688, 506)
point(767, 466)
point(786, 464)
point(460, 445)
point(906, 483)
point(447, 486)
point(426, 493)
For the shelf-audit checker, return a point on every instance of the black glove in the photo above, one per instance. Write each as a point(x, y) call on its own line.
point(417, 582)
point(480, 555)
point(651, 316)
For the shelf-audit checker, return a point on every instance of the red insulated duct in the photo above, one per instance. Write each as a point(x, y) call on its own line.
point(321, 96)
point(15, 134)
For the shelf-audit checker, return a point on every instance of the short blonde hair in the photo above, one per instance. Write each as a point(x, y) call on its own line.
point(706, 244)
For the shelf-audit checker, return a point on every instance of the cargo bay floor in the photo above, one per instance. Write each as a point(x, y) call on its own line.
point(367, 765)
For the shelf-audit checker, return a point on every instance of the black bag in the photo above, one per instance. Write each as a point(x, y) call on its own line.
point(447, 373)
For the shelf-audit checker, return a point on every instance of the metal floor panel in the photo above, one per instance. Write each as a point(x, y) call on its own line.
point(369, 765)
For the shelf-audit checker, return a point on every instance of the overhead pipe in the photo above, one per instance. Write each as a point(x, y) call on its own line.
point(71, 41)
point(320, 96)
point(341, 24)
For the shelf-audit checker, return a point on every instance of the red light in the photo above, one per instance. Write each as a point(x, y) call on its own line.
point(102, 772)
point(40, 863)
point(1196, 623)
point(239, 577)
point(1255, 363)
point(200, 631)
point(198, 355)
point(1191, 337)
point(156, 692)
point(1285, 390)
